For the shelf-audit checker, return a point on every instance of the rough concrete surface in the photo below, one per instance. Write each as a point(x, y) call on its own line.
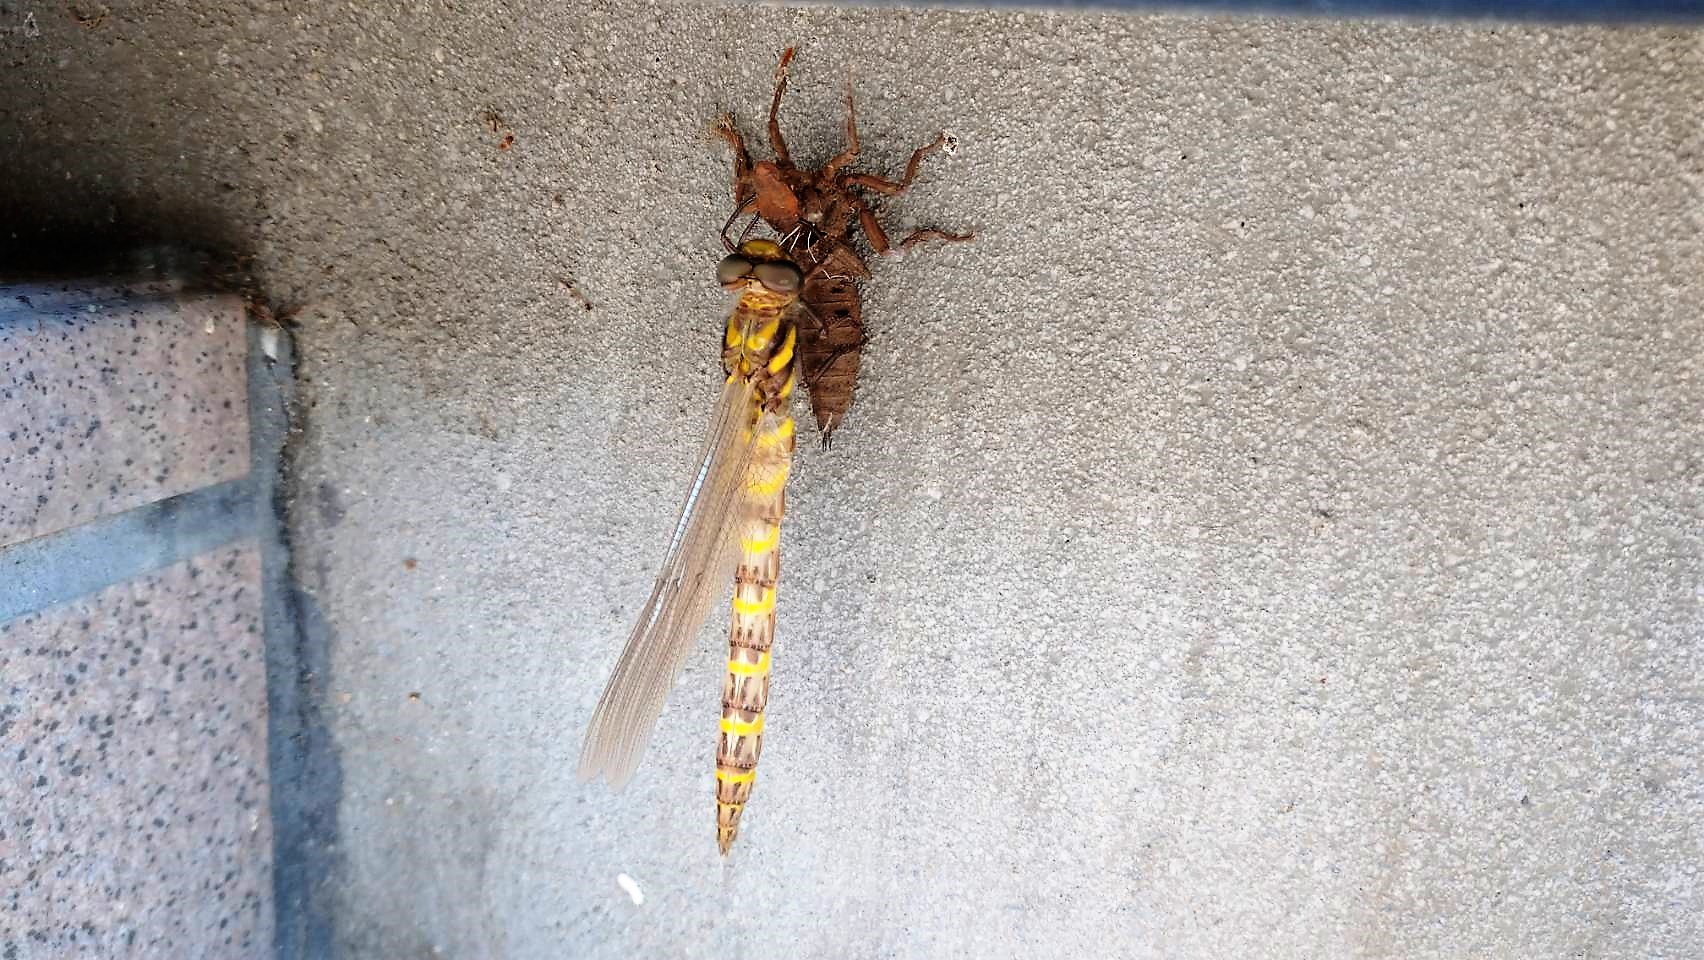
point(1279, 533)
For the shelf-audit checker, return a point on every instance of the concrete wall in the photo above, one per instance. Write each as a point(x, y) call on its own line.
point(1277, 535)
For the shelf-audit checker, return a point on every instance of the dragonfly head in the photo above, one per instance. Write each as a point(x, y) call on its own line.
point(761, 262)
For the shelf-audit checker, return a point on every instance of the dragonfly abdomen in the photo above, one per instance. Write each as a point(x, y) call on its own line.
point(760, 343)
point(745, 692)
point(751, 634)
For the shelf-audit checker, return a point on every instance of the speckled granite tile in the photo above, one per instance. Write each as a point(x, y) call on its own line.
point(111, 406)
point(133, 809)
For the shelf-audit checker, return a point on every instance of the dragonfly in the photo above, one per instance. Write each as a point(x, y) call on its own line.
point(815, 212)
point(729, 523)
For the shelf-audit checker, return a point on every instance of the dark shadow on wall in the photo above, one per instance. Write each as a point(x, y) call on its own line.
point(113, 140)
point(39, 245)
point(48, 232)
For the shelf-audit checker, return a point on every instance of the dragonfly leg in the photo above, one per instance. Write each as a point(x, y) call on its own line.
point(846, 156)
point(739, 211)
point(894, 188)
point(776, 141)
point(879, 240)
point(872, 228)
point(743, 188)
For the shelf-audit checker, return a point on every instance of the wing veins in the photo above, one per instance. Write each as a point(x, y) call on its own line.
point(699, 557)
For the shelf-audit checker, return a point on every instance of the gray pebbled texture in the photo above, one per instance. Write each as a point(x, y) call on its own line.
point(1278, 534)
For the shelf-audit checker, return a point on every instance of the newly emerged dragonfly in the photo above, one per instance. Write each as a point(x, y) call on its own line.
point(731, 521)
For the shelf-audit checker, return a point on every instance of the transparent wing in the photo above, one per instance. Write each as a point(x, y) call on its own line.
point(700, 559)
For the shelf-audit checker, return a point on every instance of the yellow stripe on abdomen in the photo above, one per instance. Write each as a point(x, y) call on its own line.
point(765, 603)
point(740, 668)
point(760, 546)
point(743, 728)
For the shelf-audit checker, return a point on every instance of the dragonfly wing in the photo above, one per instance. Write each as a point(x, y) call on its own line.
point(700, 560)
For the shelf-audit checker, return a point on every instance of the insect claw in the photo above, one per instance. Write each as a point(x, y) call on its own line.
point(729, 244)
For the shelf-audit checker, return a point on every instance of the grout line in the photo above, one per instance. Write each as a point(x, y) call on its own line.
point(75, 562)
point(305, 774)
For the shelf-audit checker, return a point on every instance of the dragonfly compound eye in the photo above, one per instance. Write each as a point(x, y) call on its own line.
point(779, 277)
point(732, 270)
